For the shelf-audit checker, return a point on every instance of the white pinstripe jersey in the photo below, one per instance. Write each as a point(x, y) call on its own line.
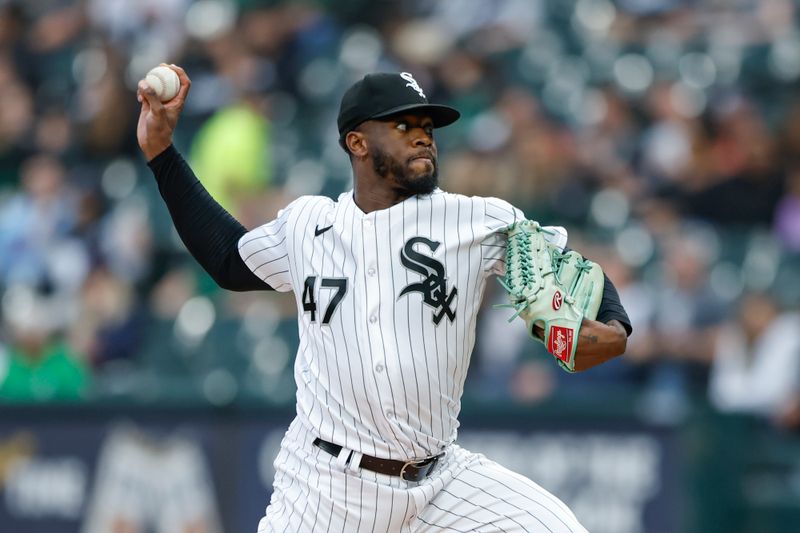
point(387, 304)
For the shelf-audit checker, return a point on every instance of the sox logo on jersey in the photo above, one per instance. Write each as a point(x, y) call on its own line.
point(379, 371)
point(434, 286)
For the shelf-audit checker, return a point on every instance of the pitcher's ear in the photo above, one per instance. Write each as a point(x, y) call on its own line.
point(356, 144)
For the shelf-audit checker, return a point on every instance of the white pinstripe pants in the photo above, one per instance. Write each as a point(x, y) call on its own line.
point(466, 492)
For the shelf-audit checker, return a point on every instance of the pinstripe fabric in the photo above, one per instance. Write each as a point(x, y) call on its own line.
point(467, 492)
point(387, 303)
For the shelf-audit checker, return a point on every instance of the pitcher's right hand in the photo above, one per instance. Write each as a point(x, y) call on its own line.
point(157, 120)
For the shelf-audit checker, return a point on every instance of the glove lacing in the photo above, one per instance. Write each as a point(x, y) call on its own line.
point(524, 282)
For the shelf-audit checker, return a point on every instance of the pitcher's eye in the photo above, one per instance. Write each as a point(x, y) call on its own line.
point(402, 126)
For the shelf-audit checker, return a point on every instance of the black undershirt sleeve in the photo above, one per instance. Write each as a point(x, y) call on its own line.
point(209, 232)
point(611, 307)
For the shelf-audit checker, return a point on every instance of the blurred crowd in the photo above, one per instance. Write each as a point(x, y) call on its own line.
point(663, 134)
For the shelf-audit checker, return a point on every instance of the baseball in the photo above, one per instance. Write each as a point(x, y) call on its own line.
point(164, 81)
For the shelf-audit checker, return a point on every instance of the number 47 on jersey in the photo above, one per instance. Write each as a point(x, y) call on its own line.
point(310, 302)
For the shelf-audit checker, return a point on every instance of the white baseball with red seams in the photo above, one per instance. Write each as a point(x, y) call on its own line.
point(164, 81)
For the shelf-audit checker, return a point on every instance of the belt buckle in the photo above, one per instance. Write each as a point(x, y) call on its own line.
point(428, 461)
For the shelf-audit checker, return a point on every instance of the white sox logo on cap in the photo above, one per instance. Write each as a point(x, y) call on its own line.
point(412, 83)
point(381, 94)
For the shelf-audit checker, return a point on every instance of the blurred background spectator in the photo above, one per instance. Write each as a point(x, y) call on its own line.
point(37, 364)
point(757, 360)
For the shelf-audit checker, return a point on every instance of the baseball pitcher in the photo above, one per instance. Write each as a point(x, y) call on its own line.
point(388, 279)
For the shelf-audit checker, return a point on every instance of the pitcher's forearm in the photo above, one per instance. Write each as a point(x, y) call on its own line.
point(598, 342)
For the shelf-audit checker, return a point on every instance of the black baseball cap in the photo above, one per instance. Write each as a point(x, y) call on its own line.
point(383, 94)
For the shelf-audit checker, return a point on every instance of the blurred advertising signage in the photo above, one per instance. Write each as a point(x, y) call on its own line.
point(151, 482)
point(37, 487)
point(614, 482)
point(169, 472)
point(107, 475)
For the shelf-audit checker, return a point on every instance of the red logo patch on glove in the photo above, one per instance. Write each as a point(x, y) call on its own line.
point(557, 300)
point(560, 342)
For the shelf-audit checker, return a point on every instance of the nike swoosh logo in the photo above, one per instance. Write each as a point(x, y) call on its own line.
point(318, 231)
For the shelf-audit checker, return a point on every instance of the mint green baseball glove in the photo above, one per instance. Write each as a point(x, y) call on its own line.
point(551, 289)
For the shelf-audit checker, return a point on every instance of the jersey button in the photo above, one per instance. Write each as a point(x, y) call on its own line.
point(368, 223)
point(379, 368)
point(371, 271)
point(373, 319)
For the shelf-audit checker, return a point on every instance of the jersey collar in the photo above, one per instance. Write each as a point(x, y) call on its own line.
point(347, 198)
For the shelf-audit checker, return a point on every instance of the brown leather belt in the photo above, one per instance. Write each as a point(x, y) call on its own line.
point(414, 470)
